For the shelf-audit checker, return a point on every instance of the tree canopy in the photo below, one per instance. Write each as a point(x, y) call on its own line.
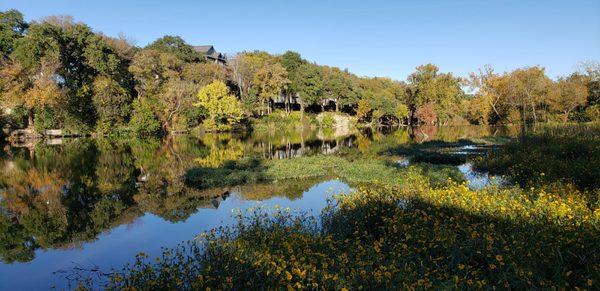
point(63, 74)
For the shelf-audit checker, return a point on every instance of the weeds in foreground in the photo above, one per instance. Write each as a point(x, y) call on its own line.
point(550, 158)
point(393, 237)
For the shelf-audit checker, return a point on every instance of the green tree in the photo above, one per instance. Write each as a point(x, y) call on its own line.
point(12, 27)
point(308, 84)
point(54, 69)
point(384, 96)
point(177, 47)
point(427, 86)
point(291, 61)
point(112, 103)
point(224, 110)
point(144, 120)
point(338, 86)
point(151, 69)
point(271, 80)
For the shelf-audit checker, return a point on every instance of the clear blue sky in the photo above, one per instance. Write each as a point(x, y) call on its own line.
point(372, 38)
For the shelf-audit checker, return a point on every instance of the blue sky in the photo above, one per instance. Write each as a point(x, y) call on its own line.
point(371, 38)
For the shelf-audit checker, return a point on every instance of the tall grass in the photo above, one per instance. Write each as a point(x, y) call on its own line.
point(549, 156)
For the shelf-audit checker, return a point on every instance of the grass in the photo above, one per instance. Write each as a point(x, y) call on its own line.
point(552, 155)
point(436, 152)
point(281, 121)
point(357, 171)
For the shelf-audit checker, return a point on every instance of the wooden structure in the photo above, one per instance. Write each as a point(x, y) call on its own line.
point(211, 54)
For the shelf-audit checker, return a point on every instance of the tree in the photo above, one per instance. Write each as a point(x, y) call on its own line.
point(59, 60)
point(479, 109)
point(177, 107)
point(224, 110)
point(243, 69)
point(177, 47)
point(270, 81)
point(591, 70)
point(491, 91)
point(384, 96)
point(363, 109)
point(338, 86)
point(569, 94)
point(527, 89)
point(426, 113)
point(401, 112)
point(112, 103)
point(203, 73)
point(151, 69)
point(442, 91)
point(144, 120)
point(291, 61)
point(309, 84)
point(12, 27)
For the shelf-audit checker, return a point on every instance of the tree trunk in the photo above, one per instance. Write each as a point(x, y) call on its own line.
point(337, 107)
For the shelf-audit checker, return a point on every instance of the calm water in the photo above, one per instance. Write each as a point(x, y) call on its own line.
point(94, 202)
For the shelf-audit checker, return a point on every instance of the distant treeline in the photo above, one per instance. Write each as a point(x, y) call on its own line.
point(56, 73)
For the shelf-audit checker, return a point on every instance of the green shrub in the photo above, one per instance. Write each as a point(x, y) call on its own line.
point(328, 121)
point(143, 120)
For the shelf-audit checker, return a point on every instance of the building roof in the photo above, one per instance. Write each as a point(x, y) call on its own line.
point(215, 55)
point(203, 48)
point(210, 52)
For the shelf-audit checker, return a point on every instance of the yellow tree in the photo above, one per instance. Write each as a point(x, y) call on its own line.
point(569, 94)
point(527, 89)
point(270, 81)
point(39, 90)
point(224, 109)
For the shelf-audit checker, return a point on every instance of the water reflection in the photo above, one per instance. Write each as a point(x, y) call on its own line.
point(477, 180)
point(99, 202)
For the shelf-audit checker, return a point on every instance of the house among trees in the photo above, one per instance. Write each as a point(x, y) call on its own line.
point(211, 54)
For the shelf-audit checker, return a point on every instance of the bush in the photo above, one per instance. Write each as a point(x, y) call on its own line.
point(328, 121)
point(44, 119)
point(143, 120)
point(280, 120)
